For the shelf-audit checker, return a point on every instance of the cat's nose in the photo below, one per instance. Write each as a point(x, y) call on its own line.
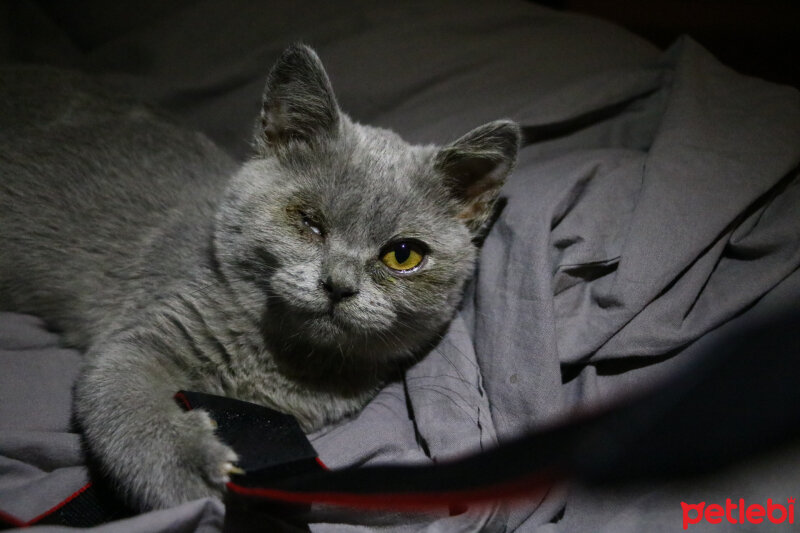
point(338, 291)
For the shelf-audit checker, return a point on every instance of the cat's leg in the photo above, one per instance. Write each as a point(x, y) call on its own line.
point(157, 454)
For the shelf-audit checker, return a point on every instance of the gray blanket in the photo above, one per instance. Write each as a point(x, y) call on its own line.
point(624, 248)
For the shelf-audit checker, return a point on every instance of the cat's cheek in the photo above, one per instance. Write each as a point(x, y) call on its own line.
point(297, 286)
point(429, 295)
point(374, 310)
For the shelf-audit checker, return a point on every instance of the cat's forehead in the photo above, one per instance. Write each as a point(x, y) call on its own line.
point(373, 184)
point(378, 159)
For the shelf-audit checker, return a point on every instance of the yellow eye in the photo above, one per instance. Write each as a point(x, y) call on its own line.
point(403, 256)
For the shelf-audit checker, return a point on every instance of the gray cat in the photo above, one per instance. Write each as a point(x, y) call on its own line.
point(302, 280)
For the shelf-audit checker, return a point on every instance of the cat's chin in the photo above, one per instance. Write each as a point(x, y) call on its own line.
point(323, 352)
point(319, 327)
point(325, 329)
point(334, 338)
point(333, 329)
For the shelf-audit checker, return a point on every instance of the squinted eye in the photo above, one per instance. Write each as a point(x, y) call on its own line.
point(403, 256)
point(313, 226)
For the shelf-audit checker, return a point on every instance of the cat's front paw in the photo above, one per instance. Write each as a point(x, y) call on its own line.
point(204, 461)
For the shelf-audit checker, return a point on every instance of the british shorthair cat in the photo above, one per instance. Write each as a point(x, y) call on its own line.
point(302, 279)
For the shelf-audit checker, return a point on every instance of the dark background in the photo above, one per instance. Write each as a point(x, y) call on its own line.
point(759, 38)
point(755, 37)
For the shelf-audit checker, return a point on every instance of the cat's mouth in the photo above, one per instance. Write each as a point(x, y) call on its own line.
point(326, 324)
point(333, 322)
point(328, 327)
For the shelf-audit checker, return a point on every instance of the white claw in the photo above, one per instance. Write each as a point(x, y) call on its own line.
point(230, 468)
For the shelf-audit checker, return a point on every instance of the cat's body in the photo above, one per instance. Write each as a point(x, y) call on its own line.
point(91, 189)
point(276, 282)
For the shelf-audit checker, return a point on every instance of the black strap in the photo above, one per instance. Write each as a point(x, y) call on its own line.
point(89, 506)
point(92, 506)
point(740, 399)
point(270, 444)
point(737, 400)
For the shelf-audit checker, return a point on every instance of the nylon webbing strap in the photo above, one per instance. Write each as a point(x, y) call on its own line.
point(87, 507)
point(737, 400)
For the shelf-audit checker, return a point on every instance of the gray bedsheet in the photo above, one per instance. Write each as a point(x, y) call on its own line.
point(623, 248)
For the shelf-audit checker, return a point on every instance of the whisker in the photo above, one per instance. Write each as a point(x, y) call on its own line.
point(470, 416)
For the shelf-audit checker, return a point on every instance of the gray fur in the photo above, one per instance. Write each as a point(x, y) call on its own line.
point(174, 269)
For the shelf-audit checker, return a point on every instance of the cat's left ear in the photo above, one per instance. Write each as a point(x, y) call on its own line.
point(298, 102)
point(475, 167)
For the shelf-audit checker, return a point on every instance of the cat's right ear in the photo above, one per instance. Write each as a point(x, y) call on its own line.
point(474, 169)
point(298, 103)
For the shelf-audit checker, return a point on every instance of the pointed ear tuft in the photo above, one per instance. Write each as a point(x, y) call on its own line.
point(298, 102)
point(475, 167)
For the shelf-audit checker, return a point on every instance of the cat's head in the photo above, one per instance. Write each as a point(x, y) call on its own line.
point(353, 244)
